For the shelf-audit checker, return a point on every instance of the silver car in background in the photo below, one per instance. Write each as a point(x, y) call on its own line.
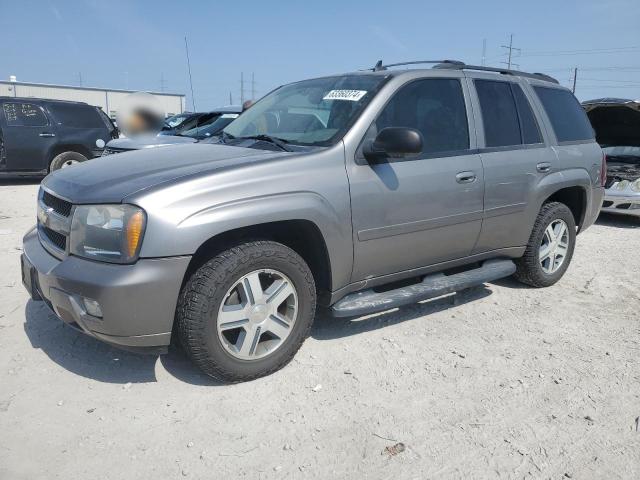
point(616, 122)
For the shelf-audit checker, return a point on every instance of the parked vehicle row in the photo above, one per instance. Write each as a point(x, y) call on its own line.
point(215, 121)
point(361, 192)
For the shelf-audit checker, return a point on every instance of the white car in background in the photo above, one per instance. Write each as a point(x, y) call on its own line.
point(221, 118)
point(616, 122)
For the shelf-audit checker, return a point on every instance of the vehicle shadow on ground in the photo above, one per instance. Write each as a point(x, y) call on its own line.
point(90, 358)
point(9, 181)
point(327, 327)
point(618, 221)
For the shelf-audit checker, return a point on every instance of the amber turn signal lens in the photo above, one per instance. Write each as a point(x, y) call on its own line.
point(135, 224)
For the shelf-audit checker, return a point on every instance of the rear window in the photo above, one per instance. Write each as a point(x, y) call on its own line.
point(568, 119)
point(24, 115)
point(76, 116)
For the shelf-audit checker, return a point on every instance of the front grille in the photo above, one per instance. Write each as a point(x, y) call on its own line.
point(61, 207)
point(57, 239)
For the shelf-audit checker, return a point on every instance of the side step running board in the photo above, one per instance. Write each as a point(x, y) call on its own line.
point(435, 285)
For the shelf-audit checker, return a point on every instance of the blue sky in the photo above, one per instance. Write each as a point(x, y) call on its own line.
point(126, 44)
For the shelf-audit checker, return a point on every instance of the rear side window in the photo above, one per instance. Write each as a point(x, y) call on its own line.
point(528, 125)
point(434, 107)
point(568, 119)
point(76, 116)
point(499, 113)
point(24, 115)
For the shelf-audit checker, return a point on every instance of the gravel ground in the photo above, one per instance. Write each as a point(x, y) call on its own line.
point(499, 381)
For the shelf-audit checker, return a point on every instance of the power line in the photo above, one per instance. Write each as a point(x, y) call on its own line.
point(510, 50)
point(580, 52)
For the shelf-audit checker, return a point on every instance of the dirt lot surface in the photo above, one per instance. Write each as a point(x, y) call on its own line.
point(500, 381)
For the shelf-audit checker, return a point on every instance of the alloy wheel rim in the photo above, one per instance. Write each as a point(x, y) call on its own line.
point(68, 163)
point(257, 314)
point(554, 246)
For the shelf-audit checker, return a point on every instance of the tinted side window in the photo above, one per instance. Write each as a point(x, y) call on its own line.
point(434, 107)
point(76, 116)
point(499, 114)
point(528, 125)
point(24, 115)
point(568, 119)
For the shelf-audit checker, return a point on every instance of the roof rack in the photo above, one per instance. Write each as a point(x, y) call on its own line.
point(458, 65)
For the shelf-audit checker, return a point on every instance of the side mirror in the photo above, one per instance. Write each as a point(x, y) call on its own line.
point(393, 142)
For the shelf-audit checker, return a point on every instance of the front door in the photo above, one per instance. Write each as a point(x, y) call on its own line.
point(424, 209)
point(27, 136)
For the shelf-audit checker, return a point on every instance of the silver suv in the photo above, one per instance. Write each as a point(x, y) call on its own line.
point(360, 192)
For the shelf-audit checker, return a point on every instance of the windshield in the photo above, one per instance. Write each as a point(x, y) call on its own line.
point(212, 128)
point(623, 154)
point(175, 120)
point(311, 112)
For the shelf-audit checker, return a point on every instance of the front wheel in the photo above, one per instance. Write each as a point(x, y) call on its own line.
point(550, 247)
point(246, 312)
point(66, 159)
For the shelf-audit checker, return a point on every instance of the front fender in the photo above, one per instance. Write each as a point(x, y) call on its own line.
point(187, 235)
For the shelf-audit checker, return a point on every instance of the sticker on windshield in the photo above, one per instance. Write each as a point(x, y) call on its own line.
point(351, 95)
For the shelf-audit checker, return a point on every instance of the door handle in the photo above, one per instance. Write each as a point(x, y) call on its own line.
point(465, 177)
point(47, 135)
point(543, 167)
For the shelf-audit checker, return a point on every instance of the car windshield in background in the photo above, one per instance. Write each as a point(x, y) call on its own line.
point(175, 120)
point(211, 129)
point(623, 154)
point(311, 112)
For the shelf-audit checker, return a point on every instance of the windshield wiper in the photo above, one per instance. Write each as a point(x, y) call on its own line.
point(278, 142)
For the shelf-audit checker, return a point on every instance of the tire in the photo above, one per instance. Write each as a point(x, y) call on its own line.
point(66, 159)
point(529, 268)
point(204, 296)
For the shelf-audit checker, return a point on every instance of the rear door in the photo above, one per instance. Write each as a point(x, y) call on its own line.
point(514, 156)
point(27, 135)
point(424, 209)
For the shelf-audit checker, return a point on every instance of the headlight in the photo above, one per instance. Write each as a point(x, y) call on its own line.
point(635, 185)
point(110, 233)
point(622, 184)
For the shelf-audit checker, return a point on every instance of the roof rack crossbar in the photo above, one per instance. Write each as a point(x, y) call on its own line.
point(458, 65)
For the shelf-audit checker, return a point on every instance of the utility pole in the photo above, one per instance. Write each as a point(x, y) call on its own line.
point(575, 77)
point(80, 78)
point(253, 88)
point(510, 48)
point(193, 100)
point(241, 88)
point(230, 98)
point(484, 51)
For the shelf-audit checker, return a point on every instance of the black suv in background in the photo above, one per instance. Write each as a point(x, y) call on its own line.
point(38, 136)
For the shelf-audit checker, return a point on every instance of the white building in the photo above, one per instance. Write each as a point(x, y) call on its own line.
point(106, 98)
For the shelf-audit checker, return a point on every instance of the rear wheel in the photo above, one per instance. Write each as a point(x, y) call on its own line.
point(246, 312)
point(66, 159)
point(550, 247)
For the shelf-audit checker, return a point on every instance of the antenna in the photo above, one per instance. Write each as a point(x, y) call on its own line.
point(241, 88)
point(193, 99)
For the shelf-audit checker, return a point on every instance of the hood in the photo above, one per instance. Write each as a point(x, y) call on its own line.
point(616, 121)
point(148, 141)
point(112, 178)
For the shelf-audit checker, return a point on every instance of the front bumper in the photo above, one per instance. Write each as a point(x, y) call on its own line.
point(138, 301)
point(621, 202)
